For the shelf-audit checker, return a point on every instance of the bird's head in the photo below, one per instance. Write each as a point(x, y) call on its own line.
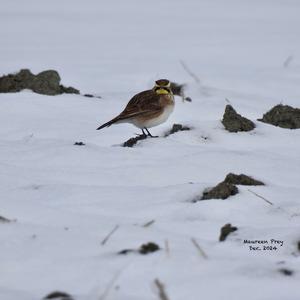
point(162, 87)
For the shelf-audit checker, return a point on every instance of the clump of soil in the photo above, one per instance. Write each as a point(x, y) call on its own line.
point(225, 231)
point(126, 251)
point(234, 122)
point(46, 83)
point(91, 96)
point(176, 128)
point(79, 144)
point(286, 272)
point(5, 220)
point(227, 187)
point(144, 249)
point(283, 116)
point(221, 191)
point(148, 248)
point(242, 179)
point(132, 141)
point(59, 296)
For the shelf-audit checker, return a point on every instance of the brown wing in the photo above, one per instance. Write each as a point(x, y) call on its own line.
point(144, 104)
point(141, 104)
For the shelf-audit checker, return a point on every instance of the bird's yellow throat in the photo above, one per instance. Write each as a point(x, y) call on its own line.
point(161, 92)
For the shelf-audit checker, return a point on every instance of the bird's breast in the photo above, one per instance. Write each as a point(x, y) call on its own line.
point(161, 118)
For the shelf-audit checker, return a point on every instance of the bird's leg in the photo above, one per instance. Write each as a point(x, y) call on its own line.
point(149, 134)
point(144, 134)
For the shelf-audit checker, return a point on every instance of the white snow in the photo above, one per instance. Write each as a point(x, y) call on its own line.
point(67, 198)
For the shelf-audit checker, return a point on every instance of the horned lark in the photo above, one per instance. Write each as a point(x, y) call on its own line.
point(148, 108)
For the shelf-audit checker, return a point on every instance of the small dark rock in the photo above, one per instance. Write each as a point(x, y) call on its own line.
point(298, 245)
point(148, 248)
point(286, 272)
point(188, 99)
point(228, 187)
point(46, 83)
point(225, 231)
point(4, 220)
point(242, 180)
point(131, 142)
point(79, 144)
point(68, 90)
point(16, 82)
point(144, 249)
point(283, 116)
point(221, 191)
point(234, 122)
point(57, 295)
point(176, 128)
point(126, 251)
point(92, 96)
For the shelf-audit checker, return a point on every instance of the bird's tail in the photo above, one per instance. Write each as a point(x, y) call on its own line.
point(109, 123)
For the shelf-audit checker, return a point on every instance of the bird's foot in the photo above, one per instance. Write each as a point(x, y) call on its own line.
point(149, 134)
point(141, 135)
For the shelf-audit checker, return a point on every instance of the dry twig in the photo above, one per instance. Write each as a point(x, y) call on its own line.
point(109, 235)
point(288, 61)
point(197, 246)
point(110, 285)
point(271, 203)
point(161, 290)
point(187, 69)
point(167, 248)
point(149, 223)
point(261, 197)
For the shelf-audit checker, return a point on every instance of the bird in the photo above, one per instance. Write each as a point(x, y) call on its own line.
point(148, 108)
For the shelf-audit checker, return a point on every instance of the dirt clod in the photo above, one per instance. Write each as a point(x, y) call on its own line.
point(79, 144)
point(148, 248)
point(176, 128)
point(91, 96)
point(57, 295)
point(4, 220)
point(46, 83)
point(242, 179)
point(283, 116)
point(221, 191)
point(286, 272)
point(132, 141)
point(234, 122)
point(144, 249)
point(225, 231)
point(126, 251)
point(227, 187)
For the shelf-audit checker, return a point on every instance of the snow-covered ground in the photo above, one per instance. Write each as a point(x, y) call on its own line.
point(67, 198)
